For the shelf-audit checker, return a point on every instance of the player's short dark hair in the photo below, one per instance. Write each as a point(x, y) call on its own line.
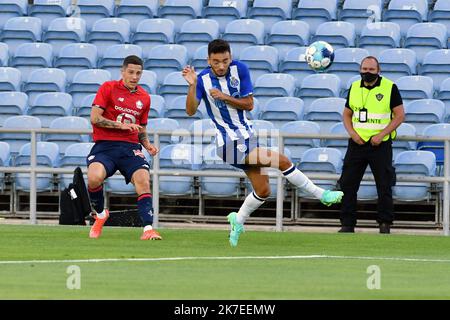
point(132, 60)
point(218, 46)
point(373, 58)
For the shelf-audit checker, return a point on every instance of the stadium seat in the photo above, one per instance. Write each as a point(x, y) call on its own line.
point(395, 63)
point(137, 10)
point(19, 30)
point(154, 32)
point(44, 80)
point(93, 11)
point(31, 56)
point(440, 13)
point(12, 9)
point(295, 64)
point(165, 59)
point(319, 86)
point(298, 146)
point(243, 33)
point(48, 10)
point(163, 124)
point(260, 60)
point(424, 37)
point(285, 35)
point(10, 79)
point(339, 34)
point(179, 158)
point(47, 155)
point(17, 140)
point(361, 12)
point(326, 112)
point(179, 11)
point(254, 113)
point(435, 130)
point(347, 63)
point(337, 129)
point(177, 110)
point(74, 156)
point(314, 13)
point(270, 11)
point(4, 55)
point(264, 129)
point(405, 129)
point(200, 59)
point(415, 87)
point(86, 82)
point(5, 158)
point(12, 104)
point(206, 128)
point(49, 106)
point(344, 91)
point(273, 85)
point(423, 112)
point(378, 36)
point(282, 110)
point(63, 31)
point(107, 32)
point(406, 13)
point(444, 95)
point(196, 33)
point(84, 109)
point(67, 123)
point(149, 81)
point(225, 11)
point(113, 57)
point(76, 57)
point(173, 86)
point(157, 107)
point(436, 64)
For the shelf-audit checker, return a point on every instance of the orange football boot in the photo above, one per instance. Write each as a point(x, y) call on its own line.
point(151, 235)
point(96, 229)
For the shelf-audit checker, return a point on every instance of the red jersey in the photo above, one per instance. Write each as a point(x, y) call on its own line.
point(121, 105)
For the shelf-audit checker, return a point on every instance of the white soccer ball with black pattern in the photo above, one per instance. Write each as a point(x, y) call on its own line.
point(319, 55)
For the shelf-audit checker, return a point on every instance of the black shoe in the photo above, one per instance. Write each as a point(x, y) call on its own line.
point(347, 229)
point(385, 227)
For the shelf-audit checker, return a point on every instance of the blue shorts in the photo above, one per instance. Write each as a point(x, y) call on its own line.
point(124, 156)
point(235, 152)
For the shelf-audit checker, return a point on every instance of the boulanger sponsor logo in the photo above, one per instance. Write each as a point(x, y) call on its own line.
point(134, 112)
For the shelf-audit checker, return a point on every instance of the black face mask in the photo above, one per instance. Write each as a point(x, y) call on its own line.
point(369, 77)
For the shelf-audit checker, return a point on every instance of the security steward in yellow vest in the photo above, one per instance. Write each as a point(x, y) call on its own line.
point(374, 109)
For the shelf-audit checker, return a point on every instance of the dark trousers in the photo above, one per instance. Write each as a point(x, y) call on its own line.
point(355, 163)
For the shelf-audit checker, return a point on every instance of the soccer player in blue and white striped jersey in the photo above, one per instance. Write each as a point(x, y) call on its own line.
point(226, 88)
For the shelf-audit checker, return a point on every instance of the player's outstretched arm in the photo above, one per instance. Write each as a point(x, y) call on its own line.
point(98, 120)
point(191, 101)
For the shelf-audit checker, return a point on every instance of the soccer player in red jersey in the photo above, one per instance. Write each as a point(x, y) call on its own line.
point(119, 118)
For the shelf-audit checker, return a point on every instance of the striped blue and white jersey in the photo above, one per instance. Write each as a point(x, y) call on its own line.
point(230, 122)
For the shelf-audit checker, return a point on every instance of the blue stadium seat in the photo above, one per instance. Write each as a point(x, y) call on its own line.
point(273, 85)
point(5, 158)
point(295, 64)
point(322, 160)
point(74, 156)
point(31, 56)
point(17, 140)
point(107, 32)
point(423, 112)
point(298, 146)
point(270, 11)
point(339, 34)
point(314, 13)
point(179, 11)
point(282, 110)
point(165, 59)
point(424, 37)
point(47, 155)
point(173, 86)
point(347, 63)
point(199, 60)
point(86, 82)
point(12, 104)
point(48, 10)
point(76, 57)
point(415, 87)
point(405, 129)
point(243, 33)
point(360, 12)
point(254, 113)
point(11, 9)
point(444, 95)
point(177, 110)
point(225, 11)
point(85, 107)
point(137, 10)
point(337, 129)
point(179, 157)
point(326, 112)
point(157, 107)
point(19, 30)
point(67, 123)
point(206, 127)
point(435, 130)
point(319, 86)
point(440, 13)
point(260, 60)
point(436, 64)
point(93, 11)
point(263, 130)
point(49, 106)
point(196, 33)
point(395, 63)
point(163, 124)
point(285, 35)
point(10, 79)
point(4, 55)
point(406, 13)
point(114, 55)
point(44, 80)
point(378, 36)
point(149, 81)
point(346, 89)
point(63, 31)
point(154, 32)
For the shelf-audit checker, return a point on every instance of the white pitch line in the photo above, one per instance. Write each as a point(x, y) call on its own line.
point(223, 258)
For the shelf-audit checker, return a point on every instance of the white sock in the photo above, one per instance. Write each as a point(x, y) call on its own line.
point(102, 214)
point(251, 203)
point(148, 227)
point(298, 179)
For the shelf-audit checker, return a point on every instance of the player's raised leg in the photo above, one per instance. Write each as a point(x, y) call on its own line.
point(96, 176)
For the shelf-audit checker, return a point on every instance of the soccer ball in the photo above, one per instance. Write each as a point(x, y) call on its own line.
point(319, 55)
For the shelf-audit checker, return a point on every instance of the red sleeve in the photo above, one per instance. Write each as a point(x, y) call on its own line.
point(144, 115)
point(102, 97)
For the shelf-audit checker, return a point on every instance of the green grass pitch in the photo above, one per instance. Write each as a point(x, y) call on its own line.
point(341, 271)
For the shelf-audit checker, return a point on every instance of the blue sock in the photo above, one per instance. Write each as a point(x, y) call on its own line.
point(97, 199)
point(145, 208)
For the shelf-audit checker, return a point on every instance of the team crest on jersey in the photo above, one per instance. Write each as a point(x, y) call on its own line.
point(139, 104)
point(139, 153)
point(234, 82)
point(379, 96)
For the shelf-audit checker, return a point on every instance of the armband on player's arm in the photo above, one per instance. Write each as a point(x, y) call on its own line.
point(98, 120)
